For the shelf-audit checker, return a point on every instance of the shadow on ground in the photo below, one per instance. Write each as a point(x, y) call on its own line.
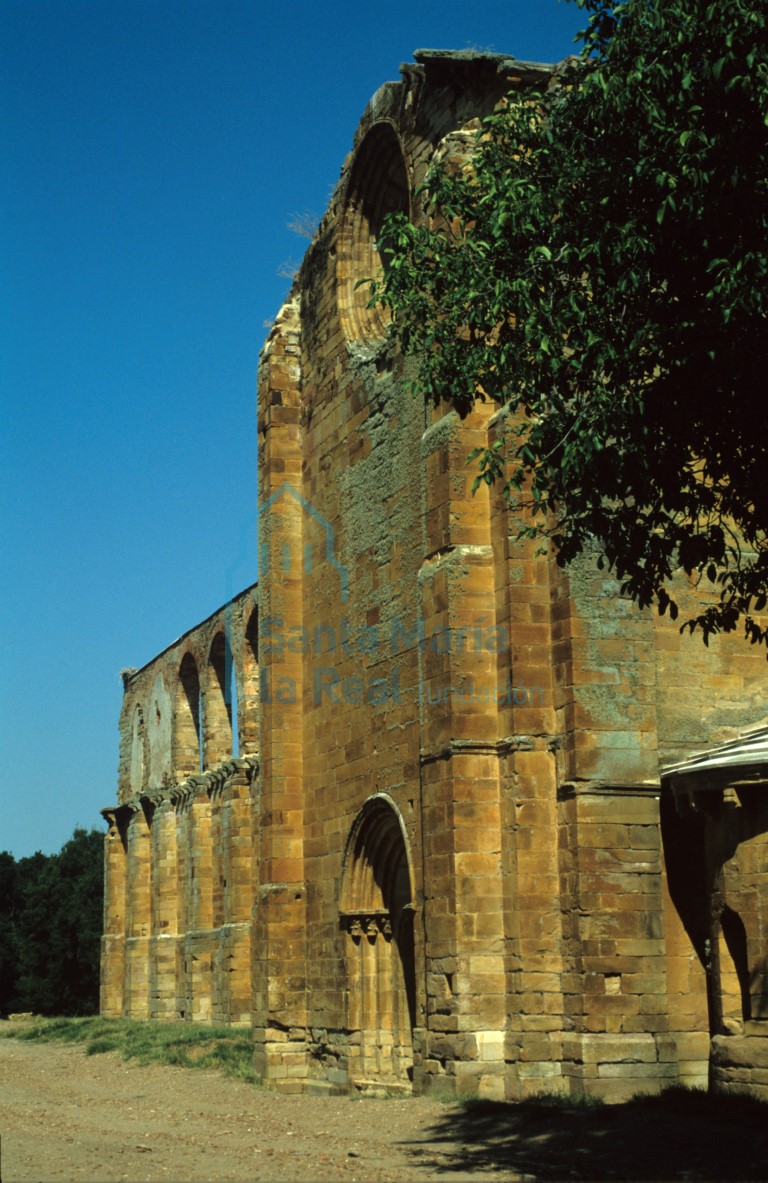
point(681, 1134)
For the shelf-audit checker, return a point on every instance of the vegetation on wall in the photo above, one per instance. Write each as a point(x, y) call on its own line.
point(599, 268)
point(50, 928)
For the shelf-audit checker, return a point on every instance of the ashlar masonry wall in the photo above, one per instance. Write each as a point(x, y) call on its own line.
point(179, 849)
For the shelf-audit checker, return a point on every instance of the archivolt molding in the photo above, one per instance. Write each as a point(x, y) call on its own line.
point(371, 861)
point(378, 184)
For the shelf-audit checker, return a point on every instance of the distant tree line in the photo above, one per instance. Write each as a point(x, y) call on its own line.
point(50, 928)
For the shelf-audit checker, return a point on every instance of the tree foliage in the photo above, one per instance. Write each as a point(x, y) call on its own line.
point(600, 269)
point(50, 928)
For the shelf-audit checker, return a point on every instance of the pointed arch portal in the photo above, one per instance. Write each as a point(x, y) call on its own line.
point(376, 912)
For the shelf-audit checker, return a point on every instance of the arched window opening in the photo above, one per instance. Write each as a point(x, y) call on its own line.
point(187, 757)
point(378, 185)
point(159, 732)
point(231, 695)
point(138, 768)
point(376, 910)
point(217, 704)
point(249, 708)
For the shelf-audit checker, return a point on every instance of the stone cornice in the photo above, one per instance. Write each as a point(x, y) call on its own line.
point(578, 788)
point(212, 782)
point(491, 747)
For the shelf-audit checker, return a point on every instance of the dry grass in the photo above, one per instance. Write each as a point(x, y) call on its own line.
point(184, 1045)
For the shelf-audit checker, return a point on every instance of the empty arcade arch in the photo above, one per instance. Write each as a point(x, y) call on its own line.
point(376, 914)
point(187, 730)
point(158, 731)
point(378, 185)
point(138, 766)
point(217, 703)
point(248, 716)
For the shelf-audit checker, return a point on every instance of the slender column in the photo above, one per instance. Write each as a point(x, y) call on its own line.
point(139, 917)
point(113, 940)
point(183, 830)
point(165, 907)
point(237, 895)
point(219, 975)
point(198, 946)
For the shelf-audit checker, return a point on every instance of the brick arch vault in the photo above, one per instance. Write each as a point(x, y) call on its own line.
point(376, 915)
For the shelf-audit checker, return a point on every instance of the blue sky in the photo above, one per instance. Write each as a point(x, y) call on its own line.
point(153, 152)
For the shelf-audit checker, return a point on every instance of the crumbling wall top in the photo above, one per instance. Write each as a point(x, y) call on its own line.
point(454, 66)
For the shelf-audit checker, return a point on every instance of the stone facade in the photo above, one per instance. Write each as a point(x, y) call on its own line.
point(436, 860)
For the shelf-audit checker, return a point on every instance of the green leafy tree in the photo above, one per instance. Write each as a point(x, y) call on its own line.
point(600, 269)
point(8, 934)
point(50, 928)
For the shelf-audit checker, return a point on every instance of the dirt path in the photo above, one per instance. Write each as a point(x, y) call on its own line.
point(68, 1116)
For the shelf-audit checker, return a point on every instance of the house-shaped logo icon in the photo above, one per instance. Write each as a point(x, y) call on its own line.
point(309, 559)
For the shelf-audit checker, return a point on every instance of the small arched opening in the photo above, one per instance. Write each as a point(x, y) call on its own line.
point(159, 732)
point(217, 704)
point(186, 738)
point(137, 778)
point(376, 914)
point(249, 710)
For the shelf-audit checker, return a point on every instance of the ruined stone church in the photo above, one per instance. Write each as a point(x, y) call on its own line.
point(425, 810)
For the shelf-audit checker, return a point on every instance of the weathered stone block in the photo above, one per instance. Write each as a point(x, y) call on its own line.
point(630, 1048)
point(632, 1071)
point(740, 1051)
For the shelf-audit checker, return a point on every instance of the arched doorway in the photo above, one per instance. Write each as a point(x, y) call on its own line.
point(376, 911)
